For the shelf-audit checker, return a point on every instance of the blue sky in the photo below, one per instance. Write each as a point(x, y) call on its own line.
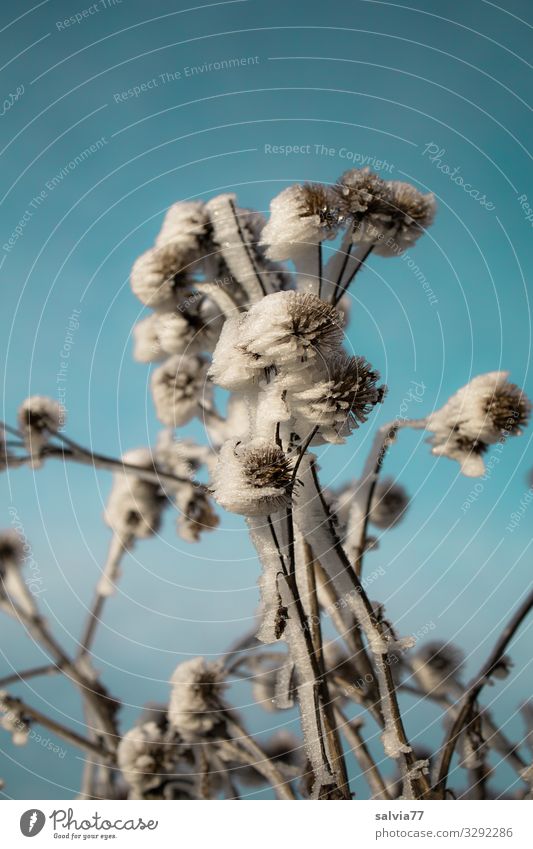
point(431, 95)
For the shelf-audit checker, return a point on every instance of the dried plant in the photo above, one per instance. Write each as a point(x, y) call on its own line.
point(225, 312)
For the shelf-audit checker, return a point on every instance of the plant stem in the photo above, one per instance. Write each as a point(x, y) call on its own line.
point(363, 756)
point(17, 706)
point(24, 674)
point(466, 706)
point(262, 763)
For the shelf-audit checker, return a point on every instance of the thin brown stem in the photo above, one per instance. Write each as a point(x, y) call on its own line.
point(467, 705)
point(79, 454)
point(34, 672)
point(363, 756)
point(18, 707)
point(261, 762)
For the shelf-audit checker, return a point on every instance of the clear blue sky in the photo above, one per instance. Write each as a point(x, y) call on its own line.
point(355, 79)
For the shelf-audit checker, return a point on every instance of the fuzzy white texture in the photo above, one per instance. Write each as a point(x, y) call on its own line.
point(154, 277)
point(176, 333)
point(341, 394)
point(184, 227)
point(38, 417)
point(231, 367)
point(196, 698)
point(297, 222)
point(145, 755)
point(236, 424)
point(134, 506)
point(409, 213)
point(147, 346)
point(180, 457)
point(288, 328)
point(252, 478)
point(179, 386)
point(235, 234)
point(270, 616)
point(472, 419)
point(393, 747)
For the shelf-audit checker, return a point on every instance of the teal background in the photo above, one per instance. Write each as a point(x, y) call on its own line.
point(380, 79)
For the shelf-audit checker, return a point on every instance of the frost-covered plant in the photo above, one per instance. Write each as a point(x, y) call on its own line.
point(219, 309)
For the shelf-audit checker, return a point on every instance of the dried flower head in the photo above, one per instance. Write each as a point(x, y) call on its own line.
point(342, 399)
point(38, 418)
point(288, 328)
point(390, 215)
point(147, 344)
point(196, 513)
point(408, 214)
point(300, 216)
point(178, 388)
point(157, 277)
point(252, 478)
point(436, 666)
point(361, 191)
point(196, 707)
point(389, 503)
point(180, 457)
point(134, 507)
point(185, 228)
point(485, 411)
point(146, 755)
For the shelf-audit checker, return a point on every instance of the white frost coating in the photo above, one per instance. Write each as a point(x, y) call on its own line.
point(313, 521)
point(153, 277)
point(176, 333)
point(145, 755)
point(485, 411)
point(270, 408)
point(251, 478)
point(184, 227)
point(284, 686)
point(134, 506)
point(196, 698)
point(288, 328)
point(236, 425)
point(232, 368)
point(296, 222)
point(220, 297)
point(178, 385)
point(269, 611)
point(393, 747)
point(147, 345)
point(316, 743)
point(234, 238)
